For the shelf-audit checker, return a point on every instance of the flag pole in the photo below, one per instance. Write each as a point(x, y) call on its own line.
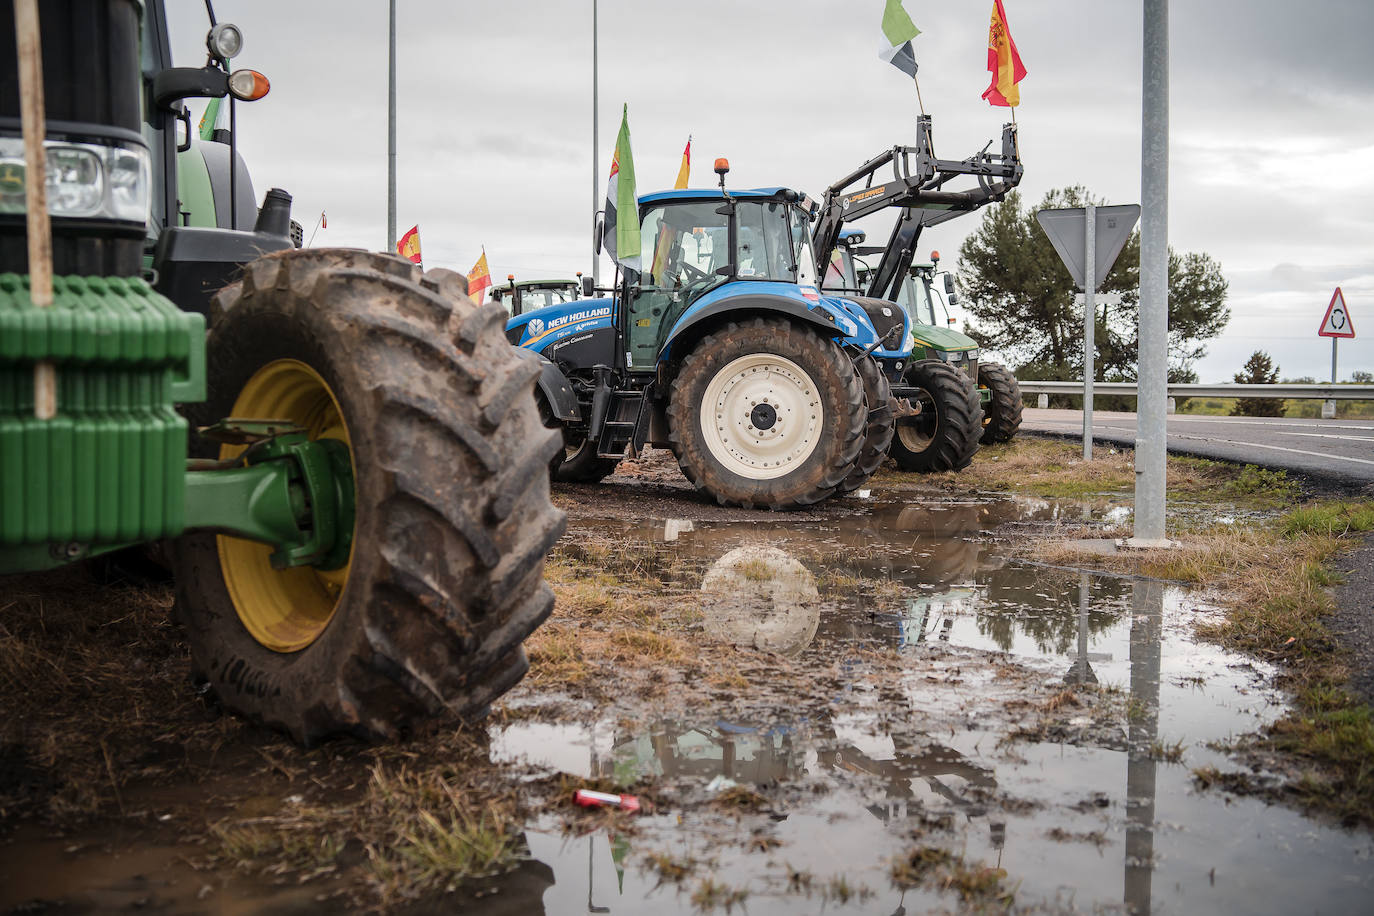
point(315, 230)
point(391, 138)
point(596, 167)
point(920, 101)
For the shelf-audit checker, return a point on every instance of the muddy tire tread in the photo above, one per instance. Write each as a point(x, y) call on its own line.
point(451, 501)
point(1002, 419)
point(878, 430)
point(836, 456)
point(959, 420)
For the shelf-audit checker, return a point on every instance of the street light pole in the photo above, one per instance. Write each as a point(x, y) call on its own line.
point(1151, 438)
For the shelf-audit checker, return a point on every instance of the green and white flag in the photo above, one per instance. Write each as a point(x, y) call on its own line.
point(216, 117)
point(620, 229)
point(898, 30)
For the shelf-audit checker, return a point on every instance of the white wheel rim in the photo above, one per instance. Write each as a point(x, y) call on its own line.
point(762, 416)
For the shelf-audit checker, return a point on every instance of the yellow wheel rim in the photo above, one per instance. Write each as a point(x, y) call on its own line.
point(284, 609)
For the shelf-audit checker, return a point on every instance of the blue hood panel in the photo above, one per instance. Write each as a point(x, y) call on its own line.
point(552, 323)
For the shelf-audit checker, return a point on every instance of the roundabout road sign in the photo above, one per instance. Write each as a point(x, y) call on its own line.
point(1337, 320)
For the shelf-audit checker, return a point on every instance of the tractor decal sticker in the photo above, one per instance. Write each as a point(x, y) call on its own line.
point(587, 316)
point(536, 326)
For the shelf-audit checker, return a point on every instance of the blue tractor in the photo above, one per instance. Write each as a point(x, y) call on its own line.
point(722, 348)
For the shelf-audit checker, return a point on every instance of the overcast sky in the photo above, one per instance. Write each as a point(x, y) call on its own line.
point(1272, 130)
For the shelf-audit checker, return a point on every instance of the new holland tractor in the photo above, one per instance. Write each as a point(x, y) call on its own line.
point(359, 528)
point(722, 348)
point(959, 401)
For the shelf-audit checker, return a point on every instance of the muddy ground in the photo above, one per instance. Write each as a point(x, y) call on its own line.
point(883, 703)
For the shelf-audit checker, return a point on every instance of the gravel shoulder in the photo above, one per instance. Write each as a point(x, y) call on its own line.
point(1353, 622)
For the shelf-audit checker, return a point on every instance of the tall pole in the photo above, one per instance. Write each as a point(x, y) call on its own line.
point(391, 138)
point(1151, 438)
point(596, 167)
point(33, 125)
point(1089, 320)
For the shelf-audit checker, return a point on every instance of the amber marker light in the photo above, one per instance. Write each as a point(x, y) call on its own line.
point(248, 85)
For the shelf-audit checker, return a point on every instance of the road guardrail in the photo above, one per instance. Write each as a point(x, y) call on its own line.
point(1321, 392)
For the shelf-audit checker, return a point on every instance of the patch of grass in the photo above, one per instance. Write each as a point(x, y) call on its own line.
point(912, 869)
point(672, 869)
point(426, 835)
point(1166, 752)
point(711, 895)
point(976, 884)
point(840, 890)
point(1331, 519)
point(740, 798)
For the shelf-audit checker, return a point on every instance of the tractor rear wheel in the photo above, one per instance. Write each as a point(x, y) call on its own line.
point(766, 414)
point(445, 575)
point(879, 429)
point(1002, 418)
point(944, 435)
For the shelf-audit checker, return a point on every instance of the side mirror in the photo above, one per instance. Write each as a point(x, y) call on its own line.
point(950, 295)
point(727, 271)
point(587, 289)
point(598, 228)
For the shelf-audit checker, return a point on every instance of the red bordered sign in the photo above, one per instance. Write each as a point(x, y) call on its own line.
point(1337, 320)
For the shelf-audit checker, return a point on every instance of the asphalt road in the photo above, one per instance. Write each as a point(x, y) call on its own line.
point(1339, 452)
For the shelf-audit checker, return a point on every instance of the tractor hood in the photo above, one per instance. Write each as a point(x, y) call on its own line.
point(539, 328)
point(942, 338)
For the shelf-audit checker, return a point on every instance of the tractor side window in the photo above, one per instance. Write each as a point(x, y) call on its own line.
point(769, 248)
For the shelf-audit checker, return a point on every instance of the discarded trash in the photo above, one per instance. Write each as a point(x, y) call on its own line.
point(589, 799)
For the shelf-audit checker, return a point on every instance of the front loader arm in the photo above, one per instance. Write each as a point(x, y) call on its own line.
point(918, 186)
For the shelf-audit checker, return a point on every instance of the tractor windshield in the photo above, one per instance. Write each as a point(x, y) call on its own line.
point(920, 298)
point(840, 275)
point(684, 244)
point(537, 297)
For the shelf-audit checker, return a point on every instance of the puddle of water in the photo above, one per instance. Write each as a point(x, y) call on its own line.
point(873, 768)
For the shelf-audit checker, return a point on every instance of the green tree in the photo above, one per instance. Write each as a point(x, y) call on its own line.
point(1021, 300)
point(1259, 369)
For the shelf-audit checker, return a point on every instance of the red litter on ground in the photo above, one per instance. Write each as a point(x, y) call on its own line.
point(589, 799)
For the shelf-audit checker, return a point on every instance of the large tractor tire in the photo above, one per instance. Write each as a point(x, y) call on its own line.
point(879, 429)
point(575, 462)
point(579, 462)
point(944, 435)
point(445, 576)
point(767, 414)
point(1002, 418)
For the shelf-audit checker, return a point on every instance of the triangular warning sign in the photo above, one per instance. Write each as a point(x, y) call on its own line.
point(1337, 320)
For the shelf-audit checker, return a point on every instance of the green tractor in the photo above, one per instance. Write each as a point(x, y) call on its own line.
point(926, 293)
point(358, 531)
point(944, 366)
point(519, 297)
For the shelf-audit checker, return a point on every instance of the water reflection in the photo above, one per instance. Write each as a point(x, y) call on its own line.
point(853, 775)
point(1147, 609)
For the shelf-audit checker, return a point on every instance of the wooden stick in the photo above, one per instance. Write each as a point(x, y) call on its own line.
point(31, 111)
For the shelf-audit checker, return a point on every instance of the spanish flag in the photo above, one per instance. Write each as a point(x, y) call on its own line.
point(1004, 63)
point(479, 278)
point(686, 169)
point(409, 245)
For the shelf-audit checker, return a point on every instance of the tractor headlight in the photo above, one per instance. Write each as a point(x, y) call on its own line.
point(84, 179)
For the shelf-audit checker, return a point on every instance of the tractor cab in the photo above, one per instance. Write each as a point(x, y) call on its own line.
point(695, 243)
point(528, 295)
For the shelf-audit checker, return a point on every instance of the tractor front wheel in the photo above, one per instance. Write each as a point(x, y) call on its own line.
point(767, 414)
point(1002, 418)
point(944, 435)
point(580, 463)
point(444, 578)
